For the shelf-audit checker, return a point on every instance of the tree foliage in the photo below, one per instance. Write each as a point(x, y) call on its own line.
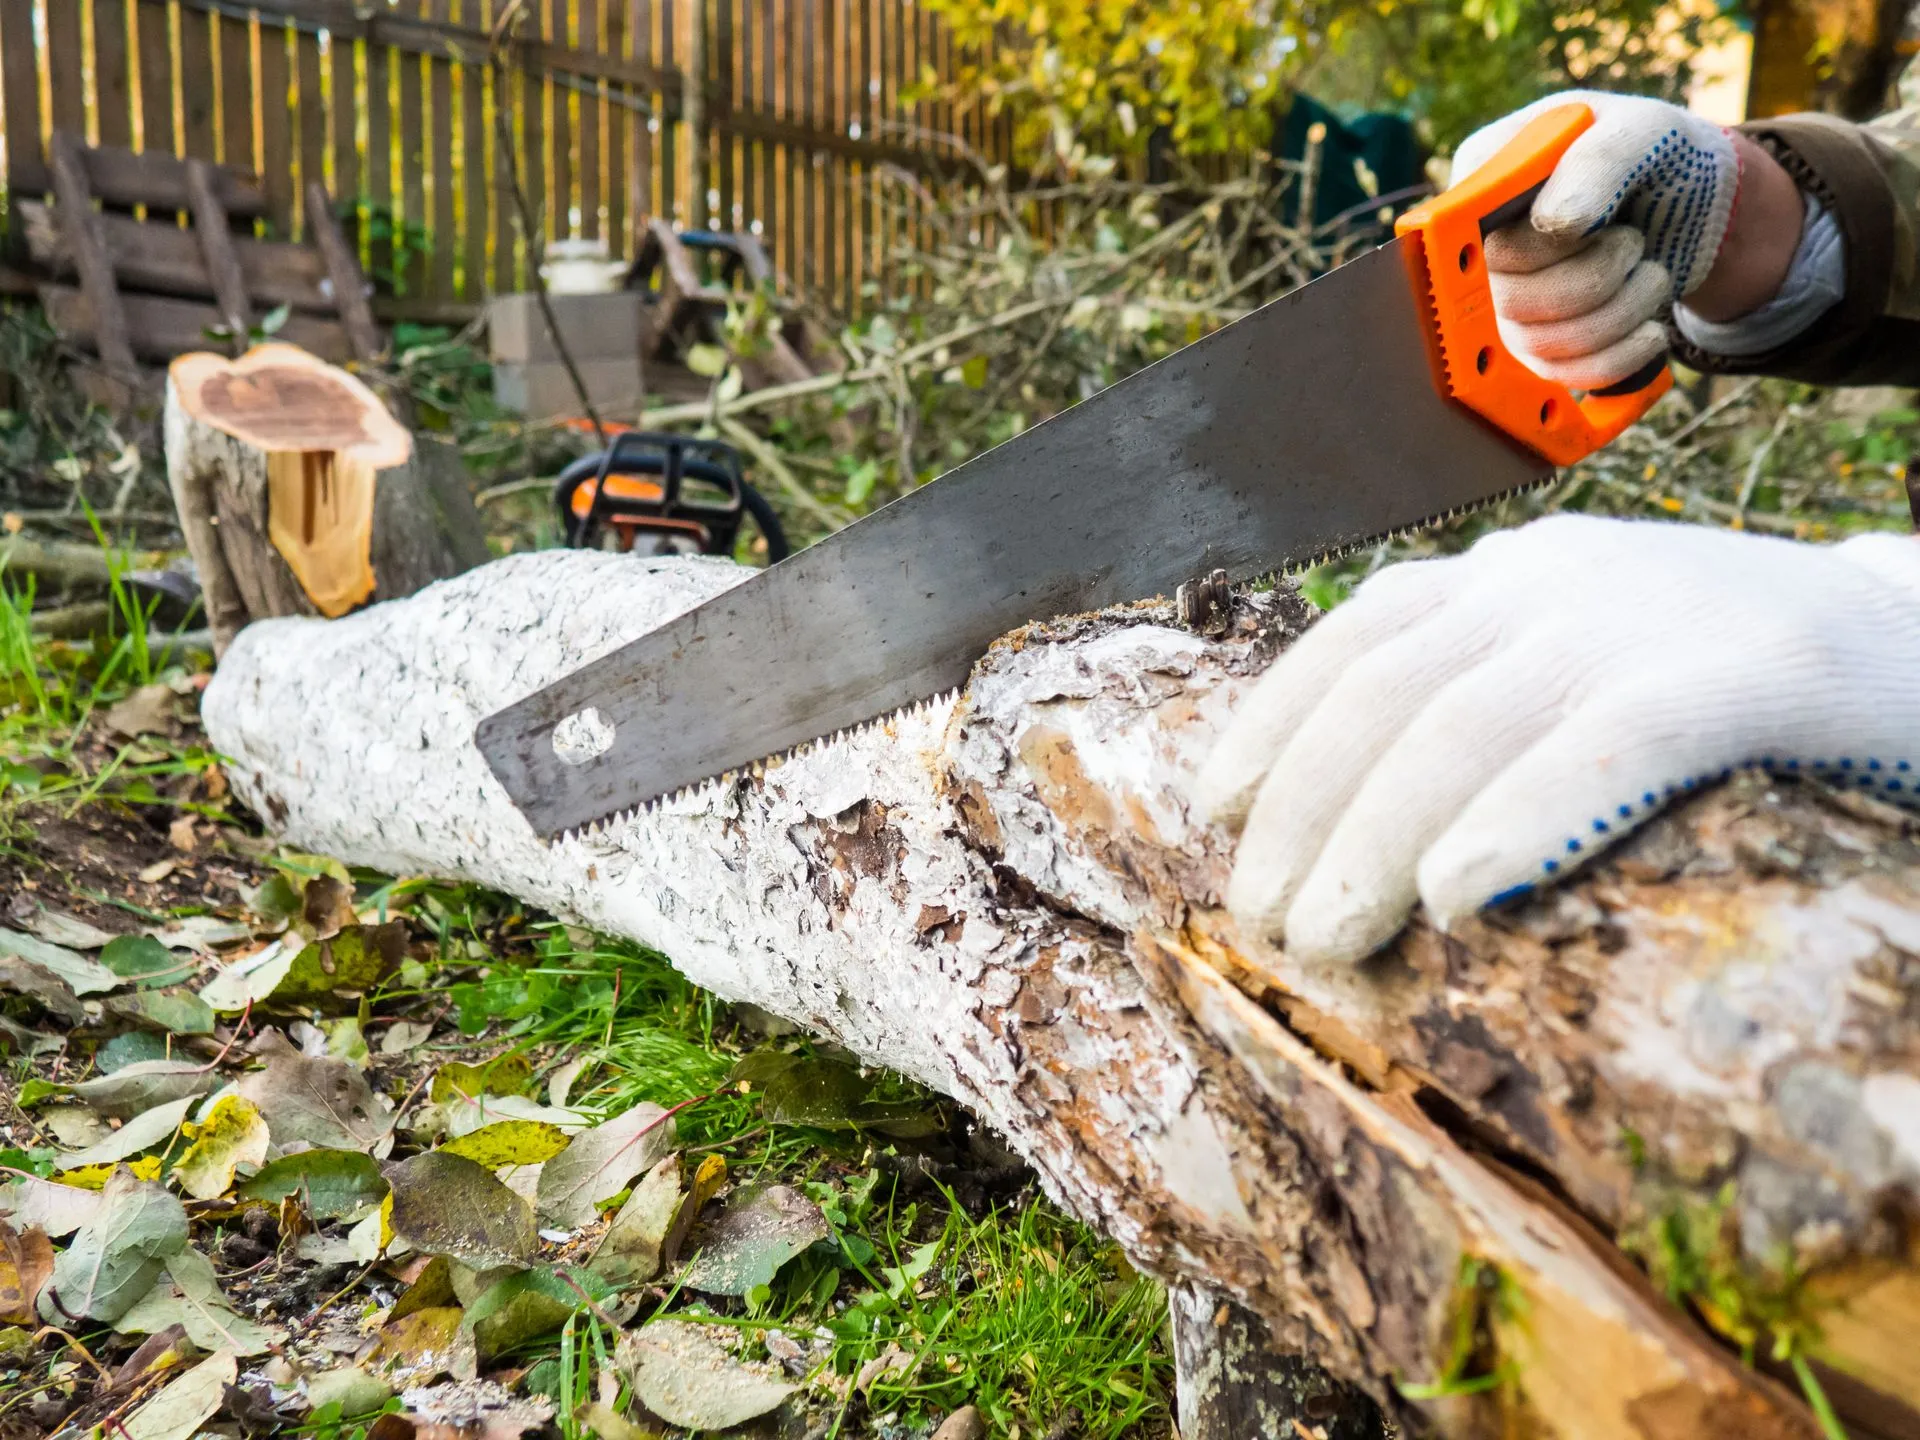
point(1213, 74)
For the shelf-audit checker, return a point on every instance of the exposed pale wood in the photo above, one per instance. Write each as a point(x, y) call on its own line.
point(78, 221)
point(160, 327)
point(215, 240)
point(349, 285)
point(171, 260)
point(1004, 895)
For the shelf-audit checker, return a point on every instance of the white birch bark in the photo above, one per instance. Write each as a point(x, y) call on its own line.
point(1004, 896)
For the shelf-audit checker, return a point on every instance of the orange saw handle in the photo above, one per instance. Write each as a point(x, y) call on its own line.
point(1481, 373)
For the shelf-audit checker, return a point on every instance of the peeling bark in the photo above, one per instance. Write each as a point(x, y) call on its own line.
point(1003, 895)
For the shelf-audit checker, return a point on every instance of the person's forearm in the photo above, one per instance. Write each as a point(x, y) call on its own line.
point(1762, 236)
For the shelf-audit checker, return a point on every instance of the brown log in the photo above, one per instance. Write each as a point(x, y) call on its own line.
point(299, 493)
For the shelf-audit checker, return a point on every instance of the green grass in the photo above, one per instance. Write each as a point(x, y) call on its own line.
point(1015, 1308)
point(49, 690)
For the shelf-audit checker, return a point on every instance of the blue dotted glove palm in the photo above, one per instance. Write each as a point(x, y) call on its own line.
point(1463, 729)
point(1632, 218)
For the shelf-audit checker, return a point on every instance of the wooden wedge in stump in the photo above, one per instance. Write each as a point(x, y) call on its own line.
point(1638, 1159)
point(300, 494)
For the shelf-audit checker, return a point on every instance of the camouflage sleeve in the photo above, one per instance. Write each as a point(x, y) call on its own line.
point(1897, 138)
point(1868, 178)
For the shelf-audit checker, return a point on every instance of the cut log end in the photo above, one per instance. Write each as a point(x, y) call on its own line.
point(324, 437)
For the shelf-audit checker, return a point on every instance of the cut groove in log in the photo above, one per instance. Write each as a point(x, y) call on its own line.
point(300, 494)
point(1700, 1056)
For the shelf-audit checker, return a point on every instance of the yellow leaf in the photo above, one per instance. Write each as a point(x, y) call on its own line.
point(510, 1142)
point(93, 1177)
point(502, 1075)
point(234, 1133)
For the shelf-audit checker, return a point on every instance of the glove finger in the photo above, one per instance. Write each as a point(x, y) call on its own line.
point(1363, 885)
point(1608, 366)
point(1523, 250)
point(1335, 748)
point(1598, 775)
point(1577, 285)
point(1267, 717)
point(1597, 174)
point(1630, 306)
point(1482, 144)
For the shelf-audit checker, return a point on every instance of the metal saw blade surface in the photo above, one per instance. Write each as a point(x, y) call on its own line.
point(1310, 426)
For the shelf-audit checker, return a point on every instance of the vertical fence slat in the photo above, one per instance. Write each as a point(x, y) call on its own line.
point(276, 126)
point(646, 129)
point(446, 228)
point(155, 41)
point(475, 194)
point(197, 85)
point(343, 58)
point(311, 126)
point(64, 67)
point(411, 217)
point(266, 95)
point(533, 146)
point(377, 186)
point(503, 104)
point(619, 123)
point(560, 96)
point(113, 75)
point(20, 80)
point(770, 152)
point(591, 184)
point(235, 43)
point(740, 96)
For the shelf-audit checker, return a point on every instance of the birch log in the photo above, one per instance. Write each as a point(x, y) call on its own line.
point(1459, 1175)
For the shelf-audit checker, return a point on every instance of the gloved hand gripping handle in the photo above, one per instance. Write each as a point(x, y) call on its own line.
point(1479, 371)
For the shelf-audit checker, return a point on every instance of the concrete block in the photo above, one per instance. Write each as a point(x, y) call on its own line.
point(545, 392)
point(595, 327)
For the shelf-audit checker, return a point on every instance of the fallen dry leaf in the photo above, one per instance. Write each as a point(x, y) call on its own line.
point(684, 1374)
point(26, 1264)
point(117, 1255)
point(599, 1163)
point(153, 874)
point(324, 1103)
point(147, 711)
point(233, 1134)
point(31, 1202)
point(448, 1205)
point(144, 1131)
point(630, 1252)
point(465, 1410)
point(184, 1404)
point(750, 1240)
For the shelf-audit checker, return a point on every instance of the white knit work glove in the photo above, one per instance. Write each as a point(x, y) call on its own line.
point(1631, 219)
point(1464, 729)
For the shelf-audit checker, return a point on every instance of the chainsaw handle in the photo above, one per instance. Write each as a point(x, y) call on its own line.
point(1480, 372)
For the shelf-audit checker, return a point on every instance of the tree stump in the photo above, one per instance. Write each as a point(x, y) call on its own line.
point(300, 494)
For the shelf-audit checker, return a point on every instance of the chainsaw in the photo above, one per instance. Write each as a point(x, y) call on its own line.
point(1376, 399)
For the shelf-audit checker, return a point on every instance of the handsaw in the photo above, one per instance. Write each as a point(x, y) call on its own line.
point(1375, 399)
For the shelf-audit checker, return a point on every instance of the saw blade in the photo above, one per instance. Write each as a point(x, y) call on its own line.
point(1309, 427)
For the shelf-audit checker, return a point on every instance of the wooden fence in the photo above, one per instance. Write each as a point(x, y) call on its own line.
point(399, 106)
